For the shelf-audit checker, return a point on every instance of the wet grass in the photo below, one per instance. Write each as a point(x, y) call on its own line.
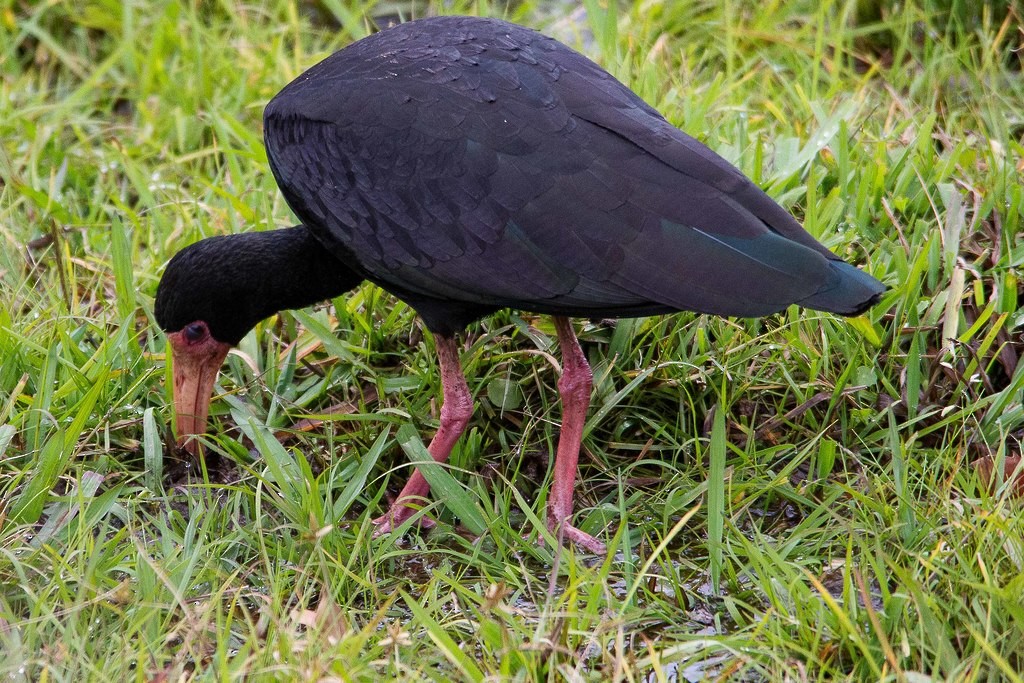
point(784, 499)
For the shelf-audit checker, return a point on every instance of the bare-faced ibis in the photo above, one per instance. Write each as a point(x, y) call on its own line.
point(467, 165)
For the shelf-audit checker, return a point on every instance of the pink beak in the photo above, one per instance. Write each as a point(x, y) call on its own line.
point(195, 370)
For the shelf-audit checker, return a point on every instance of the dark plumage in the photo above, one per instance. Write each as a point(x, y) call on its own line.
point(468, 165)
point(232, 282)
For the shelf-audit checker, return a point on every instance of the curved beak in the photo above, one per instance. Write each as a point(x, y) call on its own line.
point(195, 368)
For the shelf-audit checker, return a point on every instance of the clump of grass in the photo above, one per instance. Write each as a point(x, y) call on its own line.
point(786, 498)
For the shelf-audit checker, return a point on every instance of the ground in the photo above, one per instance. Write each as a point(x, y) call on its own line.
point(784, 499)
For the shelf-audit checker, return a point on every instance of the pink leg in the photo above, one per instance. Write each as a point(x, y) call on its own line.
point(574, 387)
point(456, 409)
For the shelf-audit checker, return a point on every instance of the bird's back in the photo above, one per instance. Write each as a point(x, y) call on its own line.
point(470, 164)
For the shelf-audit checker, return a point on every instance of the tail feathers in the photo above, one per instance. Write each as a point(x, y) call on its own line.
point(850, 291)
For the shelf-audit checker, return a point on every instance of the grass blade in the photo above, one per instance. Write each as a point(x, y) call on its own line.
point(358, 481)
point(716, 497)
point(121, 254)
point(152, 452)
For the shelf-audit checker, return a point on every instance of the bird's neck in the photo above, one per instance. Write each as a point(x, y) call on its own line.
point(300, 272)
point(231, 282)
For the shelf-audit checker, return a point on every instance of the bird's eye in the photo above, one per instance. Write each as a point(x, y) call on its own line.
point(195, 332)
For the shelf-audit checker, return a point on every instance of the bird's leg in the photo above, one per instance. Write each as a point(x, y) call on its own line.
point(456, 409)
point(574, 386)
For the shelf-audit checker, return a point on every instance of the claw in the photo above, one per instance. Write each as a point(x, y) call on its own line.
point(397, 515)
point(583, 540)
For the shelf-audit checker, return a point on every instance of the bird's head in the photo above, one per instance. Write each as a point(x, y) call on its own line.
point(204, 311)
point(216, 290)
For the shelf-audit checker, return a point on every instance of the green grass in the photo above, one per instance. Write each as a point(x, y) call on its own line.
point(784, 499)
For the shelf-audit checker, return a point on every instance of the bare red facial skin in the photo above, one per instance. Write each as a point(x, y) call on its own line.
point(196, 358)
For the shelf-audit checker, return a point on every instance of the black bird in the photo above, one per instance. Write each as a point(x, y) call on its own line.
point(467, 165)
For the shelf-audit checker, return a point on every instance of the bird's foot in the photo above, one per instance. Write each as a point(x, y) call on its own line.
point(397, 515)
point(570, 534)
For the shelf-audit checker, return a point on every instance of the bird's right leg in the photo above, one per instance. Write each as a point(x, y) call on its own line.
point(456, 409)
point(574, 387)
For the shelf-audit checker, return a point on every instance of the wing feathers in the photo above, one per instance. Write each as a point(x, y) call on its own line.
point(494, 167)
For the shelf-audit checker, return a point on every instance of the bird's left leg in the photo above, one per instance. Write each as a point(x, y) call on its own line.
point(574, 387)
point(456, 410)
